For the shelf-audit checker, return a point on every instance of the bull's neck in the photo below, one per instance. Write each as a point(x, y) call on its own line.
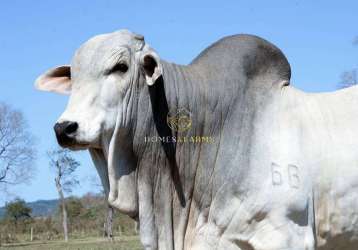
point(177, 89)
point(179, 84)
point(155, 166)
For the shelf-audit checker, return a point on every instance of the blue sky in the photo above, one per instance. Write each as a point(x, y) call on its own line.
point(316, 36)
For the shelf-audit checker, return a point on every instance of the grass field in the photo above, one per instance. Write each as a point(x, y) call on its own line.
point(120, 243)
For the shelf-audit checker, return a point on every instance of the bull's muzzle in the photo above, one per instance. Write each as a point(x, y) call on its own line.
point(65, 133)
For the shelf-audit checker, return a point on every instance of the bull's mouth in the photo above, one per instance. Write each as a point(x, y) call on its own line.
point(78, 146)
point(69, 135)
point(72, 144)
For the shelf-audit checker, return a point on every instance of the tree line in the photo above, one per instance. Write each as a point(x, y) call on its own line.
point(86, 216)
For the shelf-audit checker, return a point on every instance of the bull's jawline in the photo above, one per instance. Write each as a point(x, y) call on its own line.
point(77, 146)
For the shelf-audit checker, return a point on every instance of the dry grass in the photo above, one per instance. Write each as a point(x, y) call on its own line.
point(120, 243)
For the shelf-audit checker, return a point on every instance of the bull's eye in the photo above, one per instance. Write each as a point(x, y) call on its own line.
point(119, 67)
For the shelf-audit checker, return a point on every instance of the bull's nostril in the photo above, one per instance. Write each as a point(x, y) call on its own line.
point(71, 128)
point(65, 132)
point(57, 128)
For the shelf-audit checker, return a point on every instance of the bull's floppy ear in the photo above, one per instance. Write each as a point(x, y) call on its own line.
point(55, 80)
point(151, 66)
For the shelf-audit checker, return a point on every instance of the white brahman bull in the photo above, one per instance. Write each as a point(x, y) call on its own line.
point(280, 167)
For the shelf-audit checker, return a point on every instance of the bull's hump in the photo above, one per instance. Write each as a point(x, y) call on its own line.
point(251, 55)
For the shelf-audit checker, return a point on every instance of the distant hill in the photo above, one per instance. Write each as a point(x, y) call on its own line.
point(39, 208)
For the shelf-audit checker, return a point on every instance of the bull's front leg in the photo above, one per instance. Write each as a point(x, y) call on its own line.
point(249, 223)
point(268, 234)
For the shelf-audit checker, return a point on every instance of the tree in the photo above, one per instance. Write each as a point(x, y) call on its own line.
point(109, 223)
point(350, 77)
point(64, 165)
point(74, 208)
point(17, 152)
point(17, 210)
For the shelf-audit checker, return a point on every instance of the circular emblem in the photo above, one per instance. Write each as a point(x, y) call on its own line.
point(180, 120)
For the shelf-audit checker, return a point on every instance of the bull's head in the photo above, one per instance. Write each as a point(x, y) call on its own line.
point(101, 81)
point(98, 81)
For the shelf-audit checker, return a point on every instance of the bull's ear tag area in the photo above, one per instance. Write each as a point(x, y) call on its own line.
point(152, 68)
point(56, 80)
